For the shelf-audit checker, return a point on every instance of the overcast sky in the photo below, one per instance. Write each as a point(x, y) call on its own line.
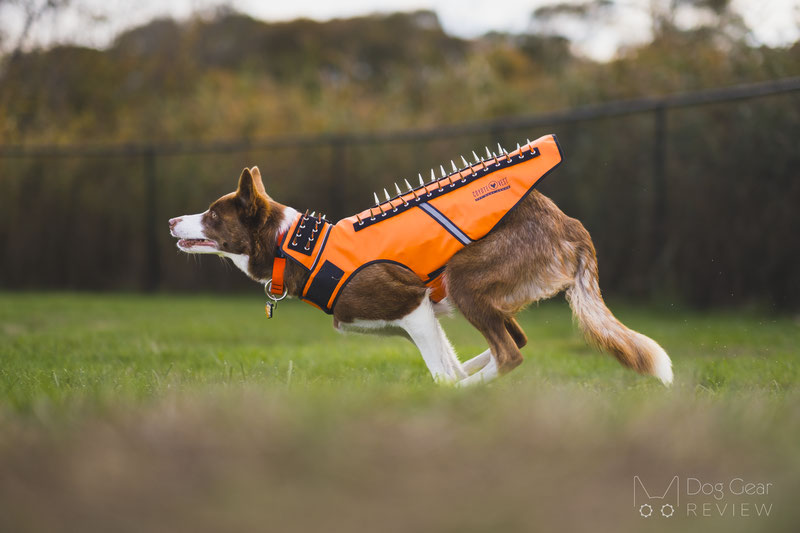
point(774, 22)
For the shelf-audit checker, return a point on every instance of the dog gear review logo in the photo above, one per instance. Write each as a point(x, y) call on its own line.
point(654, 502)
point(735, 498)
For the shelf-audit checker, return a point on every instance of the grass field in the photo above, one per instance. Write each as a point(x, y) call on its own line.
point(195, 413)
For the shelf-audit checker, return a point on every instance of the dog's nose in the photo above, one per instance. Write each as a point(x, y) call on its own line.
point(173, 222)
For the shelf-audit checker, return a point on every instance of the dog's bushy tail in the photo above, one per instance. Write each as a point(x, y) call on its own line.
point(602, 329)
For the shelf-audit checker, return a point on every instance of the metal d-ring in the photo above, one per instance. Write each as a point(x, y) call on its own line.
point(268, 291)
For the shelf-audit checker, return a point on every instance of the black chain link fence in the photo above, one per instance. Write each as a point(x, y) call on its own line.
point(690, 197)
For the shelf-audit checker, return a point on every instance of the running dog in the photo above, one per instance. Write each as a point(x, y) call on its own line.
point(479, 238)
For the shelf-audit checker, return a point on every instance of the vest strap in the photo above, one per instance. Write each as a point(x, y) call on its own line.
point(278, 267)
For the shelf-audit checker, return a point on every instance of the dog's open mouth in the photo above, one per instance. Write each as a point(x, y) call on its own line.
point(186, 244)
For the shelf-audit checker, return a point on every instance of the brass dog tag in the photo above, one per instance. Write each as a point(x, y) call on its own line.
point(270, 308)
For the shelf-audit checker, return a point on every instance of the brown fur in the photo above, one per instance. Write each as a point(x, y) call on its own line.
point(534, 253)
point(399, 292)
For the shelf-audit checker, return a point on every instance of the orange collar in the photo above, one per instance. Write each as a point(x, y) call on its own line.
point(278, 267)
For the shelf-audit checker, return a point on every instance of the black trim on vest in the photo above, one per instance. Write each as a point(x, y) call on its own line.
point(436, 273)
point(328, 229)
point(458, 182)
point(323, 285)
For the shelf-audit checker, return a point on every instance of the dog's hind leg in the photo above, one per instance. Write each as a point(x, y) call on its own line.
point(514, 329)
point(480, 361)
point(503, 354)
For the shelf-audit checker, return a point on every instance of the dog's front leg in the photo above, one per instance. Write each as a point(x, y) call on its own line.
point(487, 373)
point(430, 339)
point(478, 362)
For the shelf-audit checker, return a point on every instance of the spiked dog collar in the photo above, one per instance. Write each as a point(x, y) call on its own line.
point(306, 239)
point(303, 237)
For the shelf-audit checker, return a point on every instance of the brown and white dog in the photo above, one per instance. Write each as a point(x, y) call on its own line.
point(534, 253)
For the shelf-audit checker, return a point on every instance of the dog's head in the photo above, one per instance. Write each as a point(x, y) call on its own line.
point(230, 224)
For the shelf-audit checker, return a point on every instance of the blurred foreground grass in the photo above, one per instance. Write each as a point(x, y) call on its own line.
point(195, 413)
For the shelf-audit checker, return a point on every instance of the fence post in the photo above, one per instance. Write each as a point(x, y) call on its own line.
point(152, 263)
point(659, 234)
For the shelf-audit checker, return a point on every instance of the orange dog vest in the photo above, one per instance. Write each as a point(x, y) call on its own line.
point(419, 230)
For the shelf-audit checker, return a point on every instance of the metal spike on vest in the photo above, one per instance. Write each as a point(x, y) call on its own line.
point(420, 229)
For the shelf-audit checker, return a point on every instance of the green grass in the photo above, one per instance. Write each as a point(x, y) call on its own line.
point(113, 405)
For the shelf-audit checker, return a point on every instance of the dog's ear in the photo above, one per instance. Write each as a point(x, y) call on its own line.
point(257, 180)
point(252, 200)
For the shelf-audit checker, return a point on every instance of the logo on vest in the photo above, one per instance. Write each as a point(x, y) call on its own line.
point(493, 187)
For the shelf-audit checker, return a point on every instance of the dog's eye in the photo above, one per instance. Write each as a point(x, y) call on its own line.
point(213, 215)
